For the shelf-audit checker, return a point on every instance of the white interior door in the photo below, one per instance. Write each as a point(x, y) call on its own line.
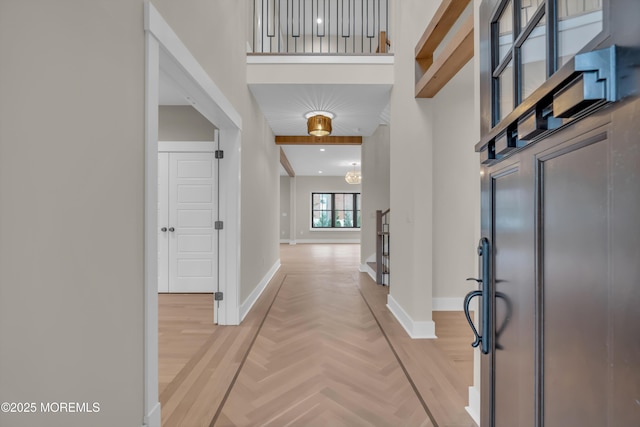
point(163, 222)
point(187, 259)
point(192, 258)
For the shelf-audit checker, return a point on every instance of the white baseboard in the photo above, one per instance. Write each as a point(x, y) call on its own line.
point(327, 241)
point(447, 304)
point(253, 297)
point(416, 330)
point(153, 418)
point(287, 242)
point(364, 268)
point(474, 404)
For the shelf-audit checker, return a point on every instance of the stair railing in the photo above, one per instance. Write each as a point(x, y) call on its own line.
point(382, 247)
point(351, 27)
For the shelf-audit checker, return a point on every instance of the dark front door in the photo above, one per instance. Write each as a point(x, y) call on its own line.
point(560, 156)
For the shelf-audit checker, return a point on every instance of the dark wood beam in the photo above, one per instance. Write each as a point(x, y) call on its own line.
point(285, 163)
point(318, 140)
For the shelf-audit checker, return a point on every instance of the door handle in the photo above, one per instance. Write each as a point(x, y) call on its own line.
point(163, 229)
point(486, 308)
point(467, 299)
point(171, 229)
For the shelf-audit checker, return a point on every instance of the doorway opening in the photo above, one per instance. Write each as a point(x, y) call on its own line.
point(166, 55)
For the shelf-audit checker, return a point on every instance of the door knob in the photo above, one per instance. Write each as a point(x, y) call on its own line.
point(163, 229)
point(171, 229)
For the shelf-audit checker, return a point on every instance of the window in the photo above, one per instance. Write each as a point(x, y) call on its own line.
point(531, 40)
point(335, 210)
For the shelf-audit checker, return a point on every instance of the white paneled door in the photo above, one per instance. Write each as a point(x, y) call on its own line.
point(186, 215)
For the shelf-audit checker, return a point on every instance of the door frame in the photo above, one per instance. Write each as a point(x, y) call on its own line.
point(165, 53)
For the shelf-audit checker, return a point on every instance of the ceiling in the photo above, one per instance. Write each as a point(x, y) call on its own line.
point(170, 92)
point(322, 160)
point(358, 109)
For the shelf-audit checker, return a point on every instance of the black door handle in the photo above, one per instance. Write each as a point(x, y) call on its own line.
point(486, 308)
point(171, 229)
point(467, 300)
point(163, 229)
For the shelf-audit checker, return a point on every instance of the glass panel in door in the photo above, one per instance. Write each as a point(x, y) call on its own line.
point(579, 21)
point(505, 88)
point(527, 10)
point(505, 31)
point(534, 62)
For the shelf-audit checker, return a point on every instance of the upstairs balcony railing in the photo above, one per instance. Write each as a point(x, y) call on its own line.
point(351, 27)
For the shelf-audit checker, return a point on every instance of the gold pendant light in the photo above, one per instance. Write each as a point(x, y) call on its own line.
point(319, 123)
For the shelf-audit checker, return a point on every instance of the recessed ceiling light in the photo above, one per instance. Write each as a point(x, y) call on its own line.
point(319, 20)
point(319, 171)
point(322, 149)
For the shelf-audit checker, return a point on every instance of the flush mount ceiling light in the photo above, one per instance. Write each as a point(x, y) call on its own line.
point(353, 177)
point(319, 123)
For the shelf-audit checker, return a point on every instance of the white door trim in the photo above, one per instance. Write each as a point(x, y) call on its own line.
point(163, 221)
point(186, 146)
point(165, 52)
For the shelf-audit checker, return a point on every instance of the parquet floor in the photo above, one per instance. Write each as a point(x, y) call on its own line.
point(320, 359)
point(319, 348)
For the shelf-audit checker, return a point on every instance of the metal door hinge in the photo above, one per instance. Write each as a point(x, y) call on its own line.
point(219, 225)
point(219, 154)
point(217, 296)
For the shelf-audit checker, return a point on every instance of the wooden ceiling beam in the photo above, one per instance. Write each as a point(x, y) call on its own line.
point(435, 73)
point(447, 14)
point(318, 140)
point(284, 161)
point(453, 57)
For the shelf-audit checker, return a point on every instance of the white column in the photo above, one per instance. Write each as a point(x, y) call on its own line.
point(292, 211)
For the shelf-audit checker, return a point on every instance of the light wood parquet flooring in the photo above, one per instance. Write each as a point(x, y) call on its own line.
point(320, 359)
point(185, 323)
point(311, 353)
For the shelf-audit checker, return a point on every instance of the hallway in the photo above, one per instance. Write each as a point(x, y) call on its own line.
point(318, 349)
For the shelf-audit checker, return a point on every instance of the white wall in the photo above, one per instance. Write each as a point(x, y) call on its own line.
point(375, 187)
point(411, 170)
point(456, 189)
point(434, 183)
point(72, 209)
point(285, 207)
point(214, 33)
point(183, 123)
point(305, 185)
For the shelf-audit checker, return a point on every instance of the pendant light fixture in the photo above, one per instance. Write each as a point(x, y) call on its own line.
point(353, 177)
point(319, 123)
